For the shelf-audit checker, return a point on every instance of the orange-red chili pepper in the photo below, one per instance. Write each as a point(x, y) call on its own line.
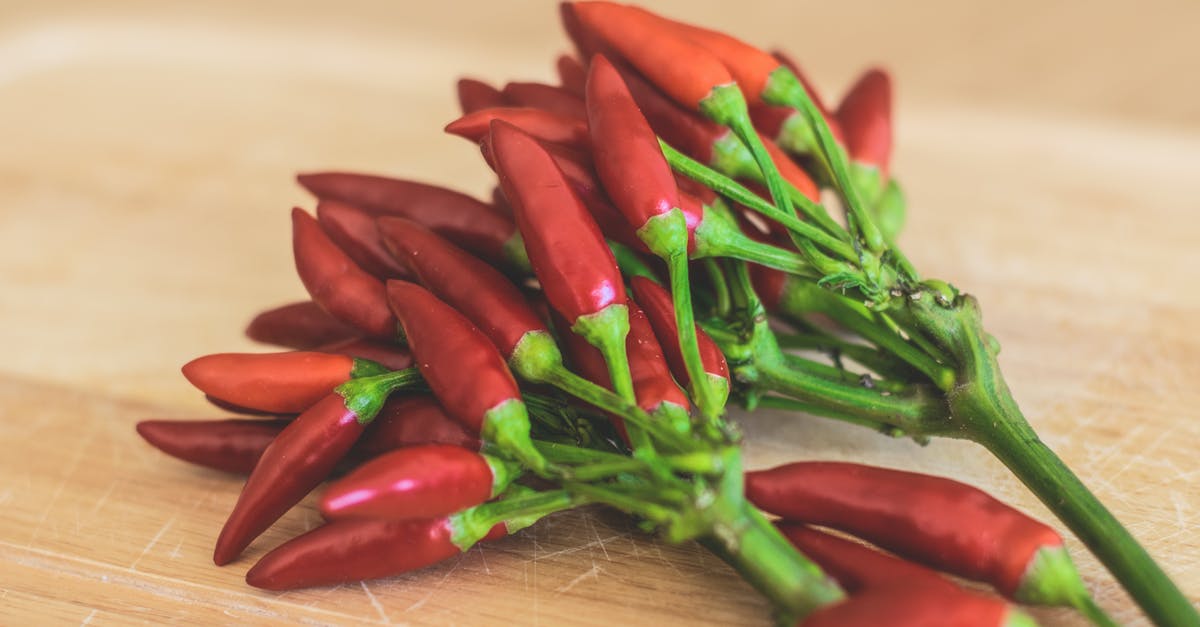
point(275, 382)
point(353, 230)
point(865, 115)
point(354, 550)
point(227, 445)
point(544, 125)
point(390, 355)
point(336, 283)
point(424, 481)
point(571, 74)
point(656, 302)
point(301, 325)
point(949, 525)
point(474, 95)
point(458, 217)
point(545, 97)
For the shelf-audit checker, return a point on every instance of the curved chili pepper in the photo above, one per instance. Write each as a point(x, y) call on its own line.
point(865, 115)
point(275, 382)
point(391, 356)
point(458, 217)
point(949, 525)
point(355, 550)
point(544, 125)
point(418, 482)
point(500, 203)
point(545, 97)
point(226, 445)
point(566, 248)
point(353, 230)
point(302, 325)
point(464, 370)
point(409, 420)
point(478, 291)
point(336, 283)
point(660, 310)
point(918, 606)
point(571, 74)
point(856, 567)
point(474, 95)
point(299, 458)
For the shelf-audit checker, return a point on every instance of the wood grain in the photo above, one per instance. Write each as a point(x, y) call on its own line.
point(146, 174)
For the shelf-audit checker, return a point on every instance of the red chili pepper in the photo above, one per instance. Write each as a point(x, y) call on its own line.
point(301, 325)
point(226, 445)
point(544, 125)
point(459, 218)
point(336, 283)
point(354, 550)
point(353, 230)
point(391, 356)
point(500, 203)
point(865, 115)
point(477, 290)
point(685, 71)
point(474, 95)
point(566, 248)
point(238, 409)
point(545, 97)
point(918, 606)
point(275, 382)
point(660, 310)
point(418, 482)
point(464, 370)
point(791, 172)
point(571, 74)
point(409, 420)
point(856, 567)
point(771, 120)
point(299, 458)
point(946, 524)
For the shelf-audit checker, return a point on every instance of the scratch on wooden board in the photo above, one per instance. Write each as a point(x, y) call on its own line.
point(375, 603)
point(592, 526)
point(593, 573)
point(482, 558)
point(87, 619)
point(62, 483)
point(436, 587)
point(152, 542)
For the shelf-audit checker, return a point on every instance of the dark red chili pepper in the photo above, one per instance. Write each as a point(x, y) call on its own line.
point(275, 382)
point(238, 409)
point(354, 550)
point(458, 217)
point(566, 248)
point(353, 230)
point(299, 458)
point(392, 356)
point(545, 97)
point(544, 125)
point(477, 290)
point(301, 325)
point(336, 283)
point(474, 95)
point(464, 370)
point(918, 606)
point(660, 310)
point(500, 203)
point(226, 445)
point(949, 525)
point(571, 74)
point(412, 419)
point(855, 567)
point(865, 115)
point(425, 481)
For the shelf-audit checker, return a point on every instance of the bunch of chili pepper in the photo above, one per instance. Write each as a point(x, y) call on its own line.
point(655, 250)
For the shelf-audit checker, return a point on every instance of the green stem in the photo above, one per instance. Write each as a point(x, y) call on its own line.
point(741, 247)
point(791, 404)
point(708, 401)
point(841, 375)
point(623, 502)
point(720, 287)
point(883, 364)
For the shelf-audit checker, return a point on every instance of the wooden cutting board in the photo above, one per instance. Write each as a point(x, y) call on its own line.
point(146, 169)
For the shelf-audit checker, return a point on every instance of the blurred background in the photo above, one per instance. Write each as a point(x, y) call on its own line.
point(1050, 152)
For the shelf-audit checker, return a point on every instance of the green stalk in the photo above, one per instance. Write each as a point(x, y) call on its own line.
point(791, 404)
point(720, 287)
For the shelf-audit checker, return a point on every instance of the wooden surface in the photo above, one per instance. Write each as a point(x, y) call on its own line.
point(1050, 158)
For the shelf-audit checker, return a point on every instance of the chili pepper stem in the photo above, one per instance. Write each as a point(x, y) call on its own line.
point(365, 396)
point(983, 407)
point(715, 237)
point(507, 427)
point(791, 404)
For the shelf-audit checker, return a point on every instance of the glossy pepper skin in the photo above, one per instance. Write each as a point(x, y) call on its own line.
point(425, 481)
point(299, 459)
point(566, 248)
point(467, 222)
point(544, 125)
point(474, 95)
point(936, 521)
point(275, 382)
point(353, 230)
point(336, 283)
point(856, 567)
point(410, 420)
point(388, 354)
point(865, 115)
point(300, 325)
point(545, 97)
point(656, 302)
point(355, 550)
point(478, 291)
point(226, 445)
